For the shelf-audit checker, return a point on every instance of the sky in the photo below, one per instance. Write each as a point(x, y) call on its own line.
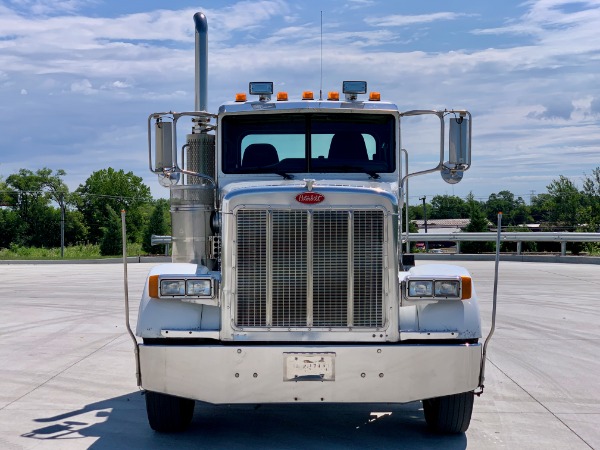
point(78, 78)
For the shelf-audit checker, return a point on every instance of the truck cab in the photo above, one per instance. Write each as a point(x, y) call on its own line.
point(287, 282)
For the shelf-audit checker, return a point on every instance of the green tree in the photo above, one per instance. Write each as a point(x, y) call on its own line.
point(75, 229)
point(30, 196)
point(565, 203)
point(158, 223)
point(478, 223)
point(514, 210)
point(11, 228)
point(448, 207)
point(415, 212)
point(119, 190)
point(5, 197)
point(541, 206)
point(111, 242)
point(591, 198)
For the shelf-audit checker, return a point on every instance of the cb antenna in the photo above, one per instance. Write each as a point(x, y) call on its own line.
point(321, 85)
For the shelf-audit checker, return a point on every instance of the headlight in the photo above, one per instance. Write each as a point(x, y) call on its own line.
point(199, 288)
point(420, 288)
point(172, 287)
point(184, 287)
point(449, 288)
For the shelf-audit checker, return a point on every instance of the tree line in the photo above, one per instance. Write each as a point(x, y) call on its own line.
point(33, 205)
point(564, 207)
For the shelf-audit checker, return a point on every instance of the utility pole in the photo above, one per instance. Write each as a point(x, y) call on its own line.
point(62, 225)
point(425, 220)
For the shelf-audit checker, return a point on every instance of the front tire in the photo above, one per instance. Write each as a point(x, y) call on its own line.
point(167, 413)
point(449, 414)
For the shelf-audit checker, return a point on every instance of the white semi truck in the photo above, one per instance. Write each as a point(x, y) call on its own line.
point(287, 282)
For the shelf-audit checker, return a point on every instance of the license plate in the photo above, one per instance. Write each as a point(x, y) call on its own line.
point(308, 366)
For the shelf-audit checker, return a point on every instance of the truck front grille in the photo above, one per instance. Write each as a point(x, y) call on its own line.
point(309, 268)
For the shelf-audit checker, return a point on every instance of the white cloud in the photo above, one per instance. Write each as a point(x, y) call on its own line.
point(120, 84)
point(398, 20)
point(359, 4)
point(45, 7)
point(83, 87)
point(23, 91)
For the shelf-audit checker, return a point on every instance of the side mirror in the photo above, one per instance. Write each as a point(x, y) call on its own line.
point(163, 150)
point(451, 176)
point(460, 142)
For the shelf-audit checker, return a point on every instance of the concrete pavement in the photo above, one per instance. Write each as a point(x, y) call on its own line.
point(67, 376)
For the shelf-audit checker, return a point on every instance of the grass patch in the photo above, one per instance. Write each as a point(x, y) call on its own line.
point(86, 251)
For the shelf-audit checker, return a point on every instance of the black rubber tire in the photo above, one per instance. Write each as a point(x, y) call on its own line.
point(167, 413)
point(449, 414)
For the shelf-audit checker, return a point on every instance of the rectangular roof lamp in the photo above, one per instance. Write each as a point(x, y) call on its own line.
point(261, 88)
point(354, 87)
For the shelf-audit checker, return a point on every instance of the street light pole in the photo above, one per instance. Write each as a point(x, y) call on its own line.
point(425, 220)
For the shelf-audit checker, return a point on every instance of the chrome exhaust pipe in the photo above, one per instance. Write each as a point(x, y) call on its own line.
point(201, 61)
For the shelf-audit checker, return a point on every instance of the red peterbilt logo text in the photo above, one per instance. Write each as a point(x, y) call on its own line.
point(310, 198)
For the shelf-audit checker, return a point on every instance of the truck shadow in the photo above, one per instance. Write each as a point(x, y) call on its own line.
point(120, 422)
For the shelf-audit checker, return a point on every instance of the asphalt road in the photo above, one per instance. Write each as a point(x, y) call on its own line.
point(67, 372)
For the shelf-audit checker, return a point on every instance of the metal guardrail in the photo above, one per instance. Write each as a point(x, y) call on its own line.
point(508, 236)
point(162, 240)
point(155, 239)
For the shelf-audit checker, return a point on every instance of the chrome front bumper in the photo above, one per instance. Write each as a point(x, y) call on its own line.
point(362, 374)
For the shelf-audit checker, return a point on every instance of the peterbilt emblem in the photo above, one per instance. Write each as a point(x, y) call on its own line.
point(310, 198)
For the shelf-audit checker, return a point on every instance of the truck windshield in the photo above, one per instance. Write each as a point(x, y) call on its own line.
point(316, 142)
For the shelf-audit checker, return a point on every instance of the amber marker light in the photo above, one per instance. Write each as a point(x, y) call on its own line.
point(466, 288)
point(308, 95)
point(282, 96)
point(374, 96)
point(333, 95)
point(240, 97)
point(153, 286)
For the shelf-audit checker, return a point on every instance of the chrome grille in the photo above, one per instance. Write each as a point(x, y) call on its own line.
point(289, 269)
point(321, 268)
point(368, 259)
point(252, 268)
point(330, 272)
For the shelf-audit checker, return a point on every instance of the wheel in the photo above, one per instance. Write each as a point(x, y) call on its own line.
point(449, 414)
point(167, 413)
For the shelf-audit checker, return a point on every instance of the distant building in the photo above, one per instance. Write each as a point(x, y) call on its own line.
point(442, 225)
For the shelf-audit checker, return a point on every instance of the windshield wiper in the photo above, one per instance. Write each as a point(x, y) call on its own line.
point(265, 169)
point(349, 169)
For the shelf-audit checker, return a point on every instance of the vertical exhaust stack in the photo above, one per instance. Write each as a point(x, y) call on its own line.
point(200, 144)
point(201, 61)
point(192, 204)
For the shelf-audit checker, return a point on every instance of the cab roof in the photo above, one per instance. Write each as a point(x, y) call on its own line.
point(299, 105)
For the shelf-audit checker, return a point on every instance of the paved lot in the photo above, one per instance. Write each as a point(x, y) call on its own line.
point(67, 372)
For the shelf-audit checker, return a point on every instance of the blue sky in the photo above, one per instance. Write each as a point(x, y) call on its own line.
point(78, 78)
